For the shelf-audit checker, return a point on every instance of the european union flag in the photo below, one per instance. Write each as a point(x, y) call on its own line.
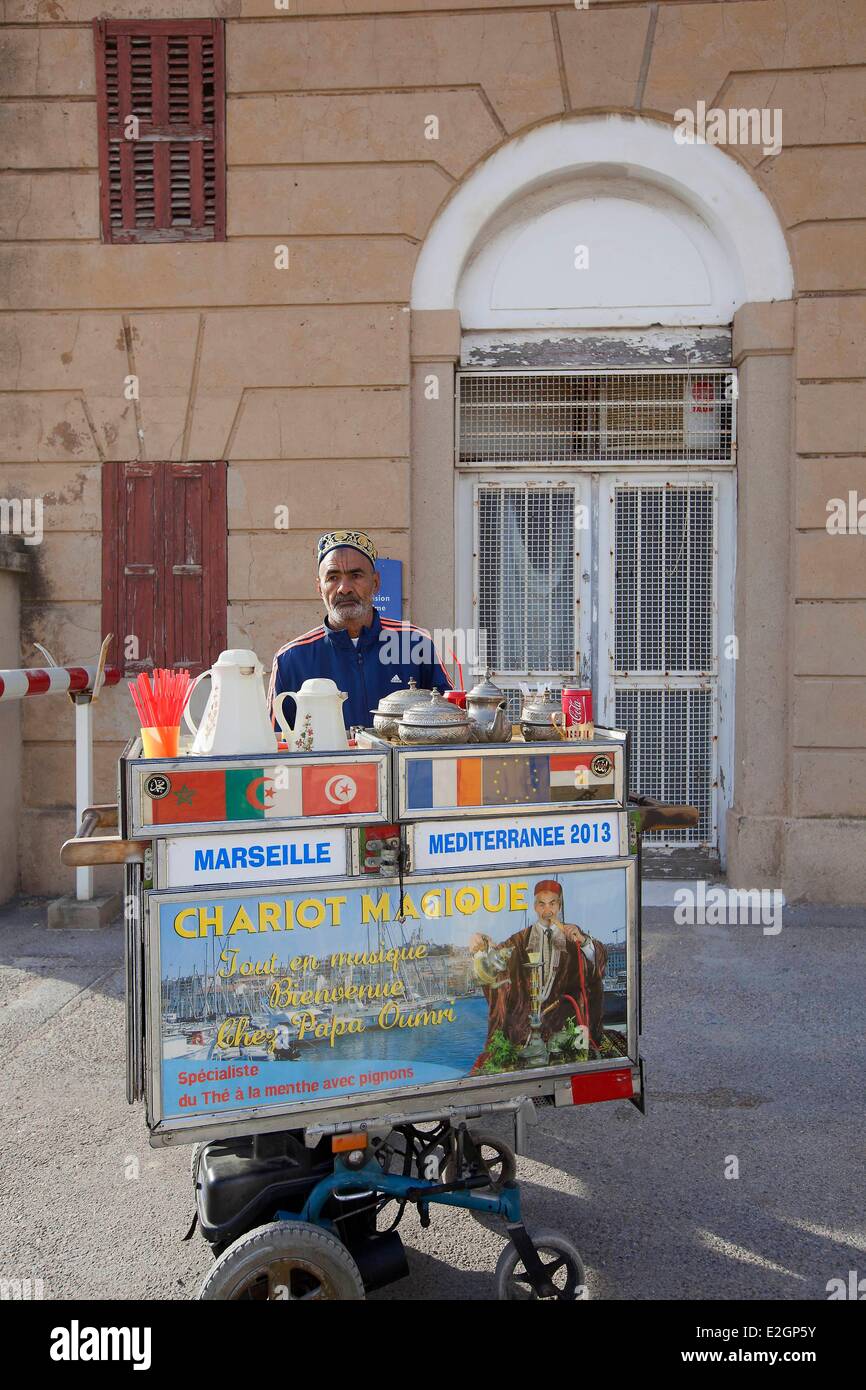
point(515, 780)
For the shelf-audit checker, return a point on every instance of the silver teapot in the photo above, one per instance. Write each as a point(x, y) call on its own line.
point(434, 720)
point(536, 717)
point(487, 708)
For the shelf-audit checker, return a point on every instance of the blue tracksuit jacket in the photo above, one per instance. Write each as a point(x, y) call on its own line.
point(389, 653)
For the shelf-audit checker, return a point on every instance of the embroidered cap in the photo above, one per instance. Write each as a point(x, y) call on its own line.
point(355, 540)
point(548, 885)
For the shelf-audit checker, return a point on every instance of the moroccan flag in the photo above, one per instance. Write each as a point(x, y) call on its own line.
point(333, 791)
point(193, 798)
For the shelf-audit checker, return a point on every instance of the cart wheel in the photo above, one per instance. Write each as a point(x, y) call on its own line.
point(501, 1162)
point(561, 1261)
point(288, 1260)
point(391, 1155)
point(194, 1161)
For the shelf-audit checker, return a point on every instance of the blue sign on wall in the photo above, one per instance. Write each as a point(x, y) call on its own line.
point(389, 600)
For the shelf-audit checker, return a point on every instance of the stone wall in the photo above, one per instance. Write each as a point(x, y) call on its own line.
point(13, 571)
point(301, 378)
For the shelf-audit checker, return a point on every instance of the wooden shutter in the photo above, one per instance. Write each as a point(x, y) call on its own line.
point(168, 184)
point(195, 564)
point(164, 562)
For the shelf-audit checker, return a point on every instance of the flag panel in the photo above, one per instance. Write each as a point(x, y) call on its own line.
point(333, 790)
point(193, 797)
point(246, 790)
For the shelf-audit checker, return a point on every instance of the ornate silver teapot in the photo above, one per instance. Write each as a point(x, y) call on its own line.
point(487, 708)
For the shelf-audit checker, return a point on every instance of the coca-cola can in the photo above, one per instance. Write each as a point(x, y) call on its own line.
point(576, 705)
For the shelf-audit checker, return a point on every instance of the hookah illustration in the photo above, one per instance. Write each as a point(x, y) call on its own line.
point(534, 1052)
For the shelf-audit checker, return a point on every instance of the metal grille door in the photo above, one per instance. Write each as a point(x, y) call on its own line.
point(672, 753)
point(663, 654)
point(602, 543)
point(526, 553)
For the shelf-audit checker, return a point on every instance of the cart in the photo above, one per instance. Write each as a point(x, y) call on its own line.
point(343, 969)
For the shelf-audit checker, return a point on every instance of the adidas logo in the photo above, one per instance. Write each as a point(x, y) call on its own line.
point(395, 680)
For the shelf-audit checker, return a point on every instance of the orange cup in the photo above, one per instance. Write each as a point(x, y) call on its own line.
point(160, 742)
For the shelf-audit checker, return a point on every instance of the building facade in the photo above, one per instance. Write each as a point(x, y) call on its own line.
point(564, 305)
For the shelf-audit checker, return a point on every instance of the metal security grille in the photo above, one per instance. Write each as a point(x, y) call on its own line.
point(663, 600)
point(572, 417)
point(664, 579)
point(624, 590)
point(525, 577)
point(672, 752)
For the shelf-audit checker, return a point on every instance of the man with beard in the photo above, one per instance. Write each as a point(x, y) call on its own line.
point(571, 984)
point(365, 655)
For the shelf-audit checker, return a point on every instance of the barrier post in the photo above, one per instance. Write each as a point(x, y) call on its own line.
point(84, 796)
point(82, 684)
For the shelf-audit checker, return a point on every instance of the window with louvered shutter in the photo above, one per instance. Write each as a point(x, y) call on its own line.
point(162, 177)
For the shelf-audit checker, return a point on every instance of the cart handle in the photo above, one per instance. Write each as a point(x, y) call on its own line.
point(86, 850)
point(653, 815)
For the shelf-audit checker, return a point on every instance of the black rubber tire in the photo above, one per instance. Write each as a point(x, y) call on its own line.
point(548, 1244)
point(506, 1162)
point(391, 1156)
point(293, 1255)
point(194, 1160)
point(505, 1171)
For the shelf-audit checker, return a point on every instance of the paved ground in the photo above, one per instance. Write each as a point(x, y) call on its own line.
point(754, 1048)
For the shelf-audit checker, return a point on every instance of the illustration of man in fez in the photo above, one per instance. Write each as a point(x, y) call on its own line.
point(568, 968)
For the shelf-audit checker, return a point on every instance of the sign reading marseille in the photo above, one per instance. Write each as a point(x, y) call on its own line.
point(254, 858)
point(340, 987)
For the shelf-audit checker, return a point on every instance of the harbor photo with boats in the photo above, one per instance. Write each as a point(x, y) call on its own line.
point(459, 976)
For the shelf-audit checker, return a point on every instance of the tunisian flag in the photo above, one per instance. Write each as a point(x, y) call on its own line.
point(335, 790)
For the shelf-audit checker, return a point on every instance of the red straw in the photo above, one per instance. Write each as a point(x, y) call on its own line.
point(460, 669)
point(141, 715)
point(162, 704)
point(144, 683)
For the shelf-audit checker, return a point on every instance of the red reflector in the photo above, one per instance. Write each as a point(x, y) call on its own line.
point(602, 1085)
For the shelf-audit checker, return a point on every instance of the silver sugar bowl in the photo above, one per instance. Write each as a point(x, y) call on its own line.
point(536, 722)
point(390, 711)
point(435, 720)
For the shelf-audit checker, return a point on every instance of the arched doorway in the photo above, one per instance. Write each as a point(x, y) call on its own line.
point(596, 266)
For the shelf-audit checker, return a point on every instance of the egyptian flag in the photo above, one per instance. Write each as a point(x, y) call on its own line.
point(572, 777)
